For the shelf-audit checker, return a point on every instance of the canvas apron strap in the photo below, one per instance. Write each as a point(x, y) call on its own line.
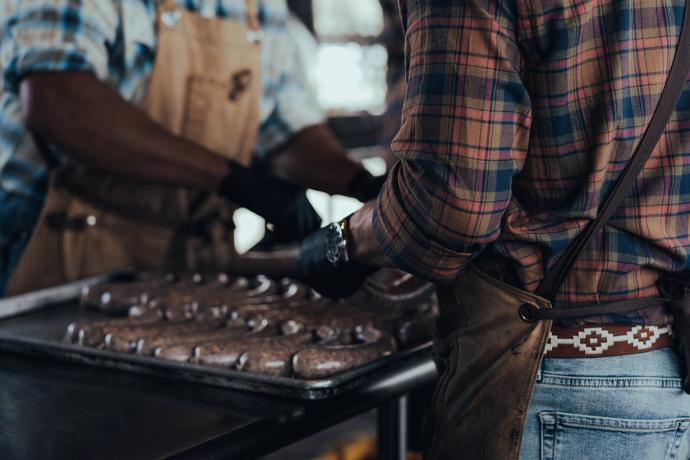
point(491, 337)
point(206, 87)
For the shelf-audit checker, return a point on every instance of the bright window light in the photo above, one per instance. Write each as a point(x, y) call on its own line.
point(362, 18)
point(351, 77)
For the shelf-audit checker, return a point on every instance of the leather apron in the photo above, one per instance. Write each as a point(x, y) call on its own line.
point(205, 87)
point(491, 337)
point(488, 359)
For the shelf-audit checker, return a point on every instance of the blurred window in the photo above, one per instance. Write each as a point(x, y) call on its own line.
point(351, 64)
point(338, 18)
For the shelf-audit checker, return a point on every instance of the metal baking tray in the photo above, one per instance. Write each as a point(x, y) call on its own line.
point(34, 324)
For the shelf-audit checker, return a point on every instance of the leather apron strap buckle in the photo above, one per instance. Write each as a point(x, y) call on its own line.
point(530, 313)
point(61, 222)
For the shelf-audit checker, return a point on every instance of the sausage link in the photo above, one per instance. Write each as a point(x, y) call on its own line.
point(92, 333)
point(127, 340)
point(152, 342)
point(181, 348)
point(226, 354)
point(273, 358)
point(322, 361)
point(118, 297)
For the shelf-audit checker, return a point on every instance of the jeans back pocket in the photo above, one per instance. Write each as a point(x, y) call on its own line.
point(569, 436)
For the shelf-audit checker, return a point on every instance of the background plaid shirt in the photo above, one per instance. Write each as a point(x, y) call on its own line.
point(519, 117)
point(116, 41)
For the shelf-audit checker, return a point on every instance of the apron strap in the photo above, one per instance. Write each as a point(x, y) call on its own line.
point(253, 21)
point(666, 106)
point(530, 313)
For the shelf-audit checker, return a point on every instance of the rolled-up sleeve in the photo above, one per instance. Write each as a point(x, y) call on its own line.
point(464, 136)
point(56, 35)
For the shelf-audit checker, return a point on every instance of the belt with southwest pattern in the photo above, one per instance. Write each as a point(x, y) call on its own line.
point(606, 340)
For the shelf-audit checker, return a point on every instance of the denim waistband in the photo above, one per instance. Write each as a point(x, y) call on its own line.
point(658, 368)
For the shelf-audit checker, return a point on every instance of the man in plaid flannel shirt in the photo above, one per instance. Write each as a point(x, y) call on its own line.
point(519, 118)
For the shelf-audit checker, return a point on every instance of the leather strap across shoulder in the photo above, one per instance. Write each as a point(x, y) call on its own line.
point(665, 108)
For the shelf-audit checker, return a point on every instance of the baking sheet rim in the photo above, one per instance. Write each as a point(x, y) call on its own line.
point(227, 378)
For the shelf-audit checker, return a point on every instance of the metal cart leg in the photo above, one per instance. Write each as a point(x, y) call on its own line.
point(392, 429)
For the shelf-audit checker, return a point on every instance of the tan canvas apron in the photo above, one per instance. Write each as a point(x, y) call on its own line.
point(206, 87)
point(491, 337)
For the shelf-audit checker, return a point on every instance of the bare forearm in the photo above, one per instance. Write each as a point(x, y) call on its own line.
point(99, 128)
point(364, 248)
point(314, 158)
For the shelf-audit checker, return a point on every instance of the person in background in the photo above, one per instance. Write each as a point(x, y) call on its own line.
point(303, 51)
point(128, 130)
point(519, 118)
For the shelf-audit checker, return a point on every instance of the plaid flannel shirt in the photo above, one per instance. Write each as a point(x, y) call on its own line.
point(116, 41)
point(519, 117)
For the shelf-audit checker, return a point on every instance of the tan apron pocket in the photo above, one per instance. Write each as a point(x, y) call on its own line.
point(211, 102)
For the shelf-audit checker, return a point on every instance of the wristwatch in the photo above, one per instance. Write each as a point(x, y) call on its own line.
point(336, 243)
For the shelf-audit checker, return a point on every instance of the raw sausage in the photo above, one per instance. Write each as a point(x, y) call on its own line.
point(321, 361)
point(226, 354)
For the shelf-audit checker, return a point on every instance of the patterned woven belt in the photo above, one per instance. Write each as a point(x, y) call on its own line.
point(606, 340)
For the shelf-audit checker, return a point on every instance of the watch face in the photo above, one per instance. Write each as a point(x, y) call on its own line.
point(334, 244)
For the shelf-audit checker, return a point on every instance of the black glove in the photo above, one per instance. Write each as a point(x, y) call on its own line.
point(301, 220)
point(364, 186)
point(334, 281)
point(282, 204)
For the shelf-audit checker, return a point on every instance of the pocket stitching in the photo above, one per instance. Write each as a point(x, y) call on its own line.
point(578, 420)
point(680, 432)
point(551, 422)
point(607, 382)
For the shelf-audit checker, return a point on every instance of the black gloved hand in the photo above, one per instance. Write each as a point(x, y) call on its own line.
point(334, 281)
point(301, 221)
point(364, 186)
point(282, 204)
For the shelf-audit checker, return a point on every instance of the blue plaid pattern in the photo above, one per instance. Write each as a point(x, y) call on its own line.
point(115, 40)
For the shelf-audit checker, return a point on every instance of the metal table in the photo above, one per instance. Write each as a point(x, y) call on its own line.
point(58, 410)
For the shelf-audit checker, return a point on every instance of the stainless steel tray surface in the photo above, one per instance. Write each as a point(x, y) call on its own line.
point(34, 324)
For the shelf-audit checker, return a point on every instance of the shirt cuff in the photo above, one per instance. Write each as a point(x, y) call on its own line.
point(46, 60)
point(407, 244)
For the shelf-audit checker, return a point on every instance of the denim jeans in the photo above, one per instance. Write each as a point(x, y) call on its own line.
point(18, 216)
point(624, 407)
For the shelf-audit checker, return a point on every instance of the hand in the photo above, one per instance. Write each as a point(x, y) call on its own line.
point(364, 186)
point(299, 220)
point(282, 204)
point(331, 280)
